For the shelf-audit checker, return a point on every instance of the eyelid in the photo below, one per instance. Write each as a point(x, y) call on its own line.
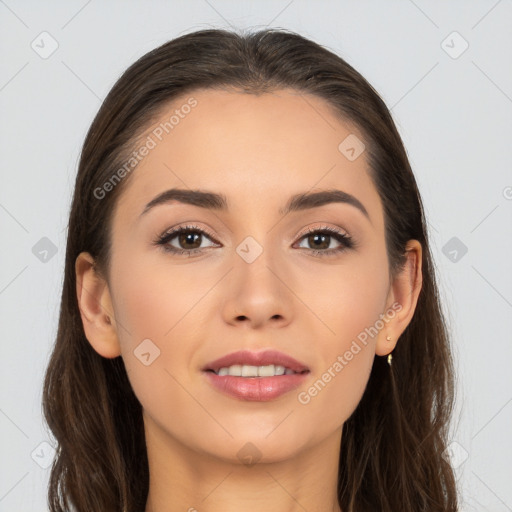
point(191, 227)
point(323, 227)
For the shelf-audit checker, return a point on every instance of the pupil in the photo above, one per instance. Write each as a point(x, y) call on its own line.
point(319, 235)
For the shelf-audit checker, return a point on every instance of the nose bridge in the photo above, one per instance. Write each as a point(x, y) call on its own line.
point(258, 247)
point(255, 266)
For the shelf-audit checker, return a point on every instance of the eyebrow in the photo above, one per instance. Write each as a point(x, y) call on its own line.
point(218, 202)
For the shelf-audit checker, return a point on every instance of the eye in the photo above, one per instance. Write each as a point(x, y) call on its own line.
point(188, 239)
point(321, 239)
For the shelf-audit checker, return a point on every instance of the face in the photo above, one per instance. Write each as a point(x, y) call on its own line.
point(309, 283)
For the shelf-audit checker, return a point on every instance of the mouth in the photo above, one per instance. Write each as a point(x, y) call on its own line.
point(256, 376)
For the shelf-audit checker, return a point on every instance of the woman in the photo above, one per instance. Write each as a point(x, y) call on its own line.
point(250, 318)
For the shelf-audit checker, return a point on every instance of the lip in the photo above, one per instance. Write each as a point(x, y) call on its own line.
point(262, 358)
point(259, 389)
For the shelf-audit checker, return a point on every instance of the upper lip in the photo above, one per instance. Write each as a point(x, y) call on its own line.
point(263, 358)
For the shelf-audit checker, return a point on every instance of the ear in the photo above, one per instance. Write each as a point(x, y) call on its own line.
point(95, 307)
point(402, 299)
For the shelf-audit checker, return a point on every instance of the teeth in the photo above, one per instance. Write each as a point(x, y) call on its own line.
point(245, 370)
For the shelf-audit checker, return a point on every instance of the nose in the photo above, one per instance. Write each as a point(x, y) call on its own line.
point(257, 295)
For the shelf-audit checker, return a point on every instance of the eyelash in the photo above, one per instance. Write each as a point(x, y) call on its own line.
point(346, 242)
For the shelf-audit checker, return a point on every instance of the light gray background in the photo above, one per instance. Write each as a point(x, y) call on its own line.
point(453, 111)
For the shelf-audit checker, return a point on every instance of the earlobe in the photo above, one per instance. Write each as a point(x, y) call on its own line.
point(402, 299)
point(95, 307)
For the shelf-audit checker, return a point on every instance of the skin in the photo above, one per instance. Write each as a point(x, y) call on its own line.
point(257, 151)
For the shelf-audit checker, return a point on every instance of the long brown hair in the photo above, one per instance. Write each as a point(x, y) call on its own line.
point(392, 451)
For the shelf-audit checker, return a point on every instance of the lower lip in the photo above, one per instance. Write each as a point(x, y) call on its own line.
point(258, 389)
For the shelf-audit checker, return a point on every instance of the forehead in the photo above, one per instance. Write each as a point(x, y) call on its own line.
point(257, 150)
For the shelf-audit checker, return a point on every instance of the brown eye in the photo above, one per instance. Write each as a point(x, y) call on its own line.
point(184, 240)
point(319, 241)
point(189, 237)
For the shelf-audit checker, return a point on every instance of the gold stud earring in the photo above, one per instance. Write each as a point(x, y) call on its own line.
point(388, 338)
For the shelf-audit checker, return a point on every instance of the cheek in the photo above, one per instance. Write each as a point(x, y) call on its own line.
point(349, 301)
point(156, 310)
point(153, 297)
point(344, 363)
point(347, 298)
